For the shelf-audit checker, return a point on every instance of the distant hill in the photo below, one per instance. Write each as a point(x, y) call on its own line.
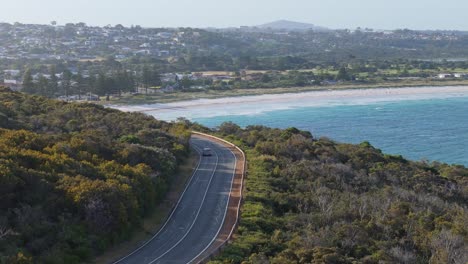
point(292, 26)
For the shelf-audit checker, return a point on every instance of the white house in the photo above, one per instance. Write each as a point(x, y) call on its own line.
point(165, 35)
point(14, 82)
point(444, 75)
point(12, 73)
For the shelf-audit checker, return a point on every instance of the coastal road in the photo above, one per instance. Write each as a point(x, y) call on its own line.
point(199, 214)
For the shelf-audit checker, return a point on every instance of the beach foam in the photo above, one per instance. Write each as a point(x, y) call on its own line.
point(255, 105)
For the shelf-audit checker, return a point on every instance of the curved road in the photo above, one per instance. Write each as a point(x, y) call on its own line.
point(199, 213)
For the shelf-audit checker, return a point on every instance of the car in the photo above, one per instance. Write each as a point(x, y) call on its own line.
point(206, 152)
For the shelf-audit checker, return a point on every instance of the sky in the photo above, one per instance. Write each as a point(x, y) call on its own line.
point(335, 14)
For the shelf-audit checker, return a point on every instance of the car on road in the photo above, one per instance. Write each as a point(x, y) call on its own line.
point(207, 152)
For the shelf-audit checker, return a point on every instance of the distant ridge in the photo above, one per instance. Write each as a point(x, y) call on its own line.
point(291, 25)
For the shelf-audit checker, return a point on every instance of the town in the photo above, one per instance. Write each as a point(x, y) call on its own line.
point(80, 62)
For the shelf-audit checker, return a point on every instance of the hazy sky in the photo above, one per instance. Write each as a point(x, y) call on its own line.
point(380, 14)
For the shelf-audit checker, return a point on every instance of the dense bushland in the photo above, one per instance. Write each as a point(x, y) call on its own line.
point(313, 200)
point(77, 178)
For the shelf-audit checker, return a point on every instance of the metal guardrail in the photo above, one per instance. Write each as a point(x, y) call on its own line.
point(225, 242)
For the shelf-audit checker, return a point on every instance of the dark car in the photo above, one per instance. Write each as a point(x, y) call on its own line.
point(206, 152)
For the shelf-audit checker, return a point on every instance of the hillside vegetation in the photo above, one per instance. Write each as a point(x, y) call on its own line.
point(77, 178)
point(316, 201)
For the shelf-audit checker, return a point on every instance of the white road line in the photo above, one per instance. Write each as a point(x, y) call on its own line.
point(196, 217)
point(225, 211)
point(173, 211)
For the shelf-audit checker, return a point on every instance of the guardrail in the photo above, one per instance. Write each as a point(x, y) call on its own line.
point(229, 237)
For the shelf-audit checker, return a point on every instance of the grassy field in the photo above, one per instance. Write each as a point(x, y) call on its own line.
point(153, 223)
point(211, 94)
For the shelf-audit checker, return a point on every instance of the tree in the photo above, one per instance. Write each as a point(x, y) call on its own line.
point(66, 82)
point(342, 74)
point(119, 27)
point(70, 171)
point(80, 84)
point(266, 78)
point(52, 87)
point(124, 82)
point(42, 85)
point(155, 77)
point(28, 83)
point(150, 77)
point(448, 247)
point(100, 86)
point(186, 82)
point(146, 78)
point(4, 231)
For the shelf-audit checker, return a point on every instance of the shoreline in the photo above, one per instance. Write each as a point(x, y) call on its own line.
point(258, 104)
point(215, 94)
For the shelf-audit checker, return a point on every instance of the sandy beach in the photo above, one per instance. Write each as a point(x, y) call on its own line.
point(261, 103)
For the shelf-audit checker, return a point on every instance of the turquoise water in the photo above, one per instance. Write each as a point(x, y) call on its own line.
point(432, 129)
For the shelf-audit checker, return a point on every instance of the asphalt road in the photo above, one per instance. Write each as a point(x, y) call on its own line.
point(199, 214)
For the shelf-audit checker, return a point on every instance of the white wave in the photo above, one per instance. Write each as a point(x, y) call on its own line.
point(256, 105)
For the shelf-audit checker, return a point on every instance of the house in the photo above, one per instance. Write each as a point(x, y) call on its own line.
point(91, 97)
point(164, 53)
point(329, 82)
point(168, 77)
point(143, 52)
point(165, 35)
point(181, 76)
point(120, 57)
point(169, 88)
point(444, 75)
point(460, 75)
point(12, 84)
point(77, 97)
point(149, 90)
point(12, 73)
point(145, 45)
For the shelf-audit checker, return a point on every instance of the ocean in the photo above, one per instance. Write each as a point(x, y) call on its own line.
point(422, 126)
point(433, 130)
